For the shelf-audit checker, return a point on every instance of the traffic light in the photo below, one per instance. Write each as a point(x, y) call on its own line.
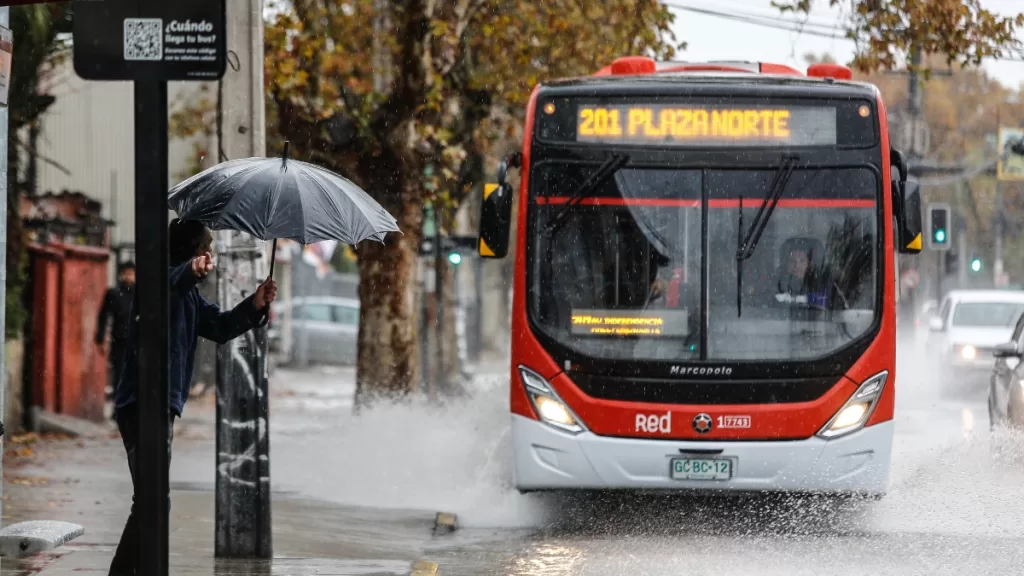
point(975, 264)
point(938, 227)
point(452, 246)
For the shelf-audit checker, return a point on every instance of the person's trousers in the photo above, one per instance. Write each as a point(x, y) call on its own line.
point(126, 558)
point(115, 361)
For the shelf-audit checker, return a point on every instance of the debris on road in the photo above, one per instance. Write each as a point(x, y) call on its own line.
point(444, 523)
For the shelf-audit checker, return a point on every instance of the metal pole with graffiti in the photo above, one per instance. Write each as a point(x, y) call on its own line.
point(242, 525)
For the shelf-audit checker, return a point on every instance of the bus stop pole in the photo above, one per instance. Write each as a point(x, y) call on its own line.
point(152, 494)
point(5, 20)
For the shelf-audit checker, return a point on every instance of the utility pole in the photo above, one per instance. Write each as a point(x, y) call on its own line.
point(997, 257)
point(997, 265)
point(478, 289)
point(439, 270)
point(914, 106)
point(378, 59)
point(961, 241)
point(914, 98)
point(242, 514)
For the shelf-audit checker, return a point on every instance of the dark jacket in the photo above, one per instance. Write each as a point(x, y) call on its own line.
point(117, 306)
point(191, 316)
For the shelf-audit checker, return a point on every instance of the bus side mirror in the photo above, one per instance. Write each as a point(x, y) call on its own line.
point(899, 164)
point(496, 212)
point(907, 201)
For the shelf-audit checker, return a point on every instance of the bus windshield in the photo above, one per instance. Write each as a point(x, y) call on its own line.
point(636, 266)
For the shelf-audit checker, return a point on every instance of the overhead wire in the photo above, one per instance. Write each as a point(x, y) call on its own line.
point(791, 25)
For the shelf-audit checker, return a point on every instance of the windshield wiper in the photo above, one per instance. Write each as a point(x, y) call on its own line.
point(589, 186)
point(782, 174)
point(748, 243)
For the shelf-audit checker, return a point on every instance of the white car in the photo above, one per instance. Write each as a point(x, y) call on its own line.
point(966, 329)
point(325, 330)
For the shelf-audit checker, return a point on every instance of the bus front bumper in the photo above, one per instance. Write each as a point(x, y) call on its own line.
point(548, 459)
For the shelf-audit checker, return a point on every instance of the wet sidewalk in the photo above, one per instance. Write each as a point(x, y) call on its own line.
point(321, 524)
point(350, 495)
point(309, 537)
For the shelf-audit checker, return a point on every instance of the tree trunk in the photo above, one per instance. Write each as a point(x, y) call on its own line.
point(387, 365)
point(32, 169)
point(17, 314)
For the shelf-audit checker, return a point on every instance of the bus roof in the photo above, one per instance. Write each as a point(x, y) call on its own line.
point(644, 75)
point(714, 82)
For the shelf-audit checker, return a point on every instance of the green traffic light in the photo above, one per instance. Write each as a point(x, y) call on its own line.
point(455, 258)
point(976, 265)
point(940, 235)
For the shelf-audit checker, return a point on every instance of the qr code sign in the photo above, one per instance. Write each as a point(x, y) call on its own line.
point(143, 39)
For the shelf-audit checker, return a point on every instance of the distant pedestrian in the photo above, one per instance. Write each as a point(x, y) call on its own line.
point(116, 308)
point(191, 317)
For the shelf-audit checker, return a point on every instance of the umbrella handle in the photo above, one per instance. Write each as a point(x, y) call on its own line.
point(273, 258)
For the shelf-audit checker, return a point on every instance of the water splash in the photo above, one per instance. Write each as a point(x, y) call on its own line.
point(417, 455)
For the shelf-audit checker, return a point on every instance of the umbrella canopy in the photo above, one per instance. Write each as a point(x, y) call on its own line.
point(272, 198)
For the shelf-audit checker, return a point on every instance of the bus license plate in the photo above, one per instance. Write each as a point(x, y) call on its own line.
point(701, 469)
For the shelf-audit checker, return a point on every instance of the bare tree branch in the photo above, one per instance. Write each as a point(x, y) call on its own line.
point(32, 151)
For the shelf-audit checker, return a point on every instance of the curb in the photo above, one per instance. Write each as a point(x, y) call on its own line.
point(45, 421)
point(424, 568)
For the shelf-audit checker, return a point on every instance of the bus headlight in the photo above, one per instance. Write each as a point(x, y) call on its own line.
point(855, 413)
point(549, 407)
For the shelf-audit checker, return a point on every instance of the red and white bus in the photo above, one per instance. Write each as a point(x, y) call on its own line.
point(705, 279)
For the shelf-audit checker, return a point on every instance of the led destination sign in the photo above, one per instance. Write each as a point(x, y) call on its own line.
point(673, 125)
point(639, 323)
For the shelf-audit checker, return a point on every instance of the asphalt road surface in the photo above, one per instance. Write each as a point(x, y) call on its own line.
point(955, 505)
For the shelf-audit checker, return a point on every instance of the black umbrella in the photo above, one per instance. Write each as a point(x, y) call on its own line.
point(272, 198)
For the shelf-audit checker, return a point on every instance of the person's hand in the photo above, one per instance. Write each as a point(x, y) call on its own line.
point(265, 294)
point(657, 289)
point(202, 265)
point(102, 348)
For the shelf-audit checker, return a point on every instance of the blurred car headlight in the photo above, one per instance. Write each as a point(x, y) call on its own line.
point(549, 407)
point(856, 411)
point(967, 352)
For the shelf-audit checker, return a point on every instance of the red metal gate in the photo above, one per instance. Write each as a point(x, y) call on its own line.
point(69, 375)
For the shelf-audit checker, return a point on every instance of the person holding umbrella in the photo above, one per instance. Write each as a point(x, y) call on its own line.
point(270, 199)
point(191, 317)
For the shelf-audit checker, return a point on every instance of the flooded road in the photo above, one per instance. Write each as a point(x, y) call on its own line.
point(954, 506)
point(350, 487)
